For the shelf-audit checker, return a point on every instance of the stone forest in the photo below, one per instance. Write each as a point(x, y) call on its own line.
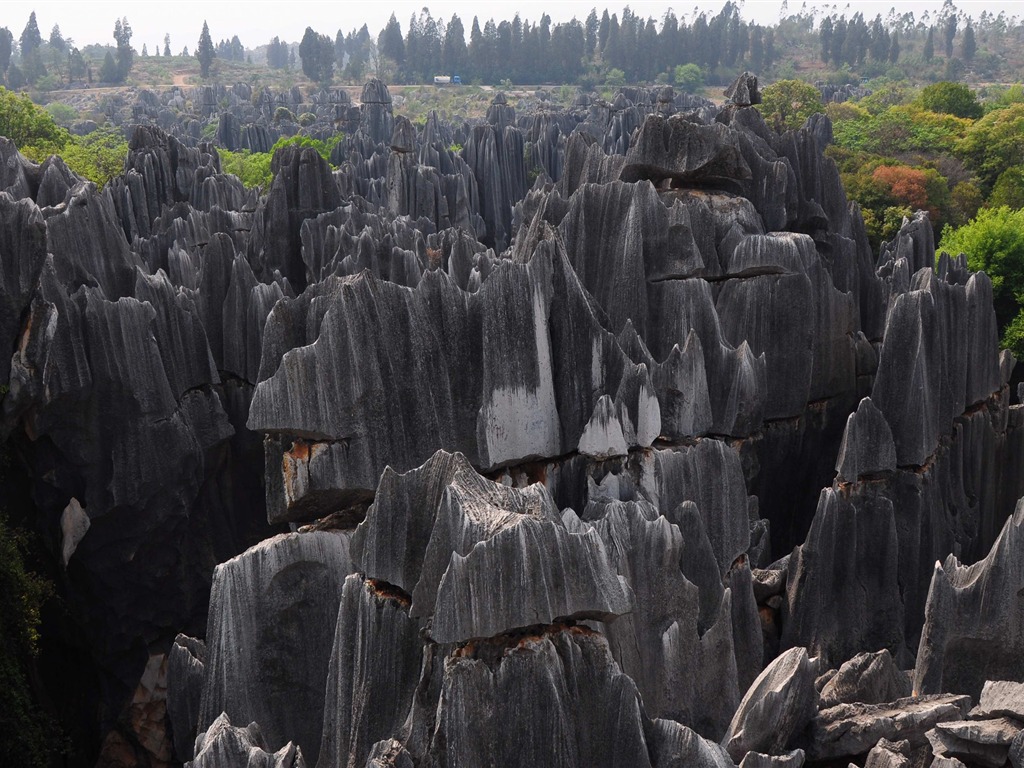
point(648, 461)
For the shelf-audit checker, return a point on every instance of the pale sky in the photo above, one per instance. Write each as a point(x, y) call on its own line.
point(257, 21)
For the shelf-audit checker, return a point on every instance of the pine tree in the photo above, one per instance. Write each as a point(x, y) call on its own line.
point(391, 44)
point(108, 72)
point(6, 48)
point(167, 44)
point(929, 45)
point(969, 45)
point(950, 34)
point(205, 51)
point(30, 37)
point(825, 34)
point(894, 48)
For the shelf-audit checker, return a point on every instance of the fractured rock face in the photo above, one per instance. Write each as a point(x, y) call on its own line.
point(973, 629)
point(848, 730)
point(276, 600)
point(583, 712)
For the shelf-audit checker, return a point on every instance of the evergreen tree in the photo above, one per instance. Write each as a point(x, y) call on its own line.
point(340, 49)
point(6, 48)
point(454, 55)
point(125, 54)
point(970, 46)
point(15, 77)
point(30, 37)
point(949, 34)
point(145, 50)
point(57, 39)
point(757, 48)
point(879, 40)
point(392, 45)
point(109, 71)
point(929, 45)
point(167, 44)
point(825, 35)
point(317, 54)
point(602, 31)
point(839, 43)
point(894, 48)
point(205, 51)
point(591, 33)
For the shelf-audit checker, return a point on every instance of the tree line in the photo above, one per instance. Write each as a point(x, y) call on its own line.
point(635, 48)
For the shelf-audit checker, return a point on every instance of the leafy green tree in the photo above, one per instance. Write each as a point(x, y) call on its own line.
point(994, 242)
point(98, 156)
point(205, 51)
point(24, 123)
point(788, 103)
point(689, 77)
point(1008, 190)
point(951, 99)
point(993, 144)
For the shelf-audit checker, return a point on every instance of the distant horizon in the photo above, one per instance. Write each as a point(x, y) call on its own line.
point(256, 22)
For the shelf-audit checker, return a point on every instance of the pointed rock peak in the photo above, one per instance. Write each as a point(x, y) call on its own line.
point(867, 446)
point(375, 92)
point(603, 438)
point(403, 138)
point(743, 92)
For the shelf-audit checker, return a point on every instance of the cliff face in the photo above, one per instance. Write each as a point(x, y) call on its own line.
point(629, 491)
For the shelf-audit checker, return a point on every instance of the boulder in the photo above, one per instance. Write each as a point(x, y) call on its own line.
point(867, 678)
point(849, 730)
point(778, 706)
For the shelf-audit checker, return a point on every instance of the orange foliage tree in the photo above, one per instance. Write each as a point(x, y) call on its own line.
point(905, 184)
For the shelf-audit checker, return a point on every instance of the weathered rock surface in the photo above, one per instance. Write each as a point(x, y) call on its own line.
point(675, 746)
point(1001, 698)
point(974, 622)
point(778, 706)
point(277, 600)
point(977, 742)
point(793, 759)
point(848, 730)
point(224, 745)
point(867, 678)
point(659, 356)
point(373, 671)
point(185, 677)
point(583, 710)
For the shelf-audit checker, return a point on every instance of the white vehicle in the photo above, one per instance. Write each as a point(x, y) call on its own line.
point(442, 80)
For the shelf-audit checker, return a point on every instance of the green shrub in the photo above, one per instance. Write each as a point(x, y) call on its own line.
point(63, 114)
point(27, 736)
